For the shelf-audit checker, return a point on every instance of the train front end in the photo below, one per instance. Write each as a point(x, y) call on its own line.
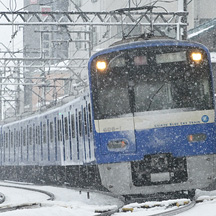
point(154, 119)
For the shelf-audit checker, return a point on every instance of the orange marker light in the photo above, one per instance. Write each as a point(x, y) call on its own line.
point(101, 65)
point(190, 138)
point(196, 56)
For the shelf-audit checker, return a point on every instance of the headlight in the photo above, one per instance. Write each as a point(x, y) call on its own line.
point(101, 65)
point(196, 56)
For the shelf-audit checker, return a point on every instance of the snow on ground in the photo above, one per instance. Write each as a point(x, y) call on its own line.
point(67, 202)
point(70, 202)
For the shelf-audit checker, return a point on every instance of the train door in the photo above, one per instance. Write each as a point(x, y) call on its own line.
point(86, 133)
point(41, 140)
point(56, 143)
point(34, 141)
point(52, 138)
point(73, 136)
point(4, 145)
point(29, 144)
point(45, 139)
point(89, 129)
point(17, 144)
point(37, 142)
point(60, 139)
point(24, 144)
point(79, 125)
point(7, 146)
point(12, 146)
point(66, 140)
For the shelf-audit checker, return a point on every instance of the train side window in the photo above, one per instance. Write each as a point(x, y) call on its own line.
point(85, 121)
point(14, 138)
point(33, 135)
point(17, 138)
point(38, 135)
point(59, 130)
point(11, 139)
point(80, 124)
point(51, 132)
point(90, 117)
point(24, 137)
point(66, 128)
point(73, 126)
point(6, 140)
point(44, 133)
point(30, 136)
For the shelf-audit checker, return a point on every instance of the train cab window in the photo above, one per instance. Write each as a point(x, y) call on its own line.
point(51, 132)
point(90, 118)
point(66, 128)
point(44, 133)
point(150, 79)
point(73, 126)
point(80, 124)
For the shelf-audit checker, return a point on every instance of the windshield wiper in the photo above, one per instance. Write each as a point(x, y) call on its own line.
point(152, 97)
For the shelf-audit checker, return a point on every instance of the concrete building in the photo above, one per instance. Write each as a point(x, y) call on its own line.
point(45, 42)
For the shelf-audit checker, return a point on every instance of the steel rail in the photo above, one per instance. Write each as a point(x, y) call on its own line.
point(51, 195)
point(177, 211)
point(25, 205)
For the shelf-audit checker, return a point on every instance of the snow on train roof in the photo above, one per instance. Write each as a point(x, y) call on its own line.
point(52, 110)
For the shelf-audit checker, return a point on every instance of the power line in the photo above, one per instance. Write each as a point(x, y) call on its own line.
point(4, 5)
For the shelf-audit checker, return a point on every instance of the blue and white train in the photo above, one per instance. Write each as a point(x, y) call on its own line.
point(146, 126)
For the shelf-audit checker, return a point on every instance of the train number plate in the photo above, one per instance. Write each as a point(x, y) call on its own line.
point(160, 177)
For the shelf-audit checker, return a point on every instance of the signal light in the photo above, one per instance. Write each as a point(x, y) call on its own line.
point(196, 56)
point(101, 65)
point(117, 144)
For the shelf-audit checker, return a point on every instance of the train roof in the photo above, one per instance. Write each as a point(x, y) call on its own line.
point(155, 41)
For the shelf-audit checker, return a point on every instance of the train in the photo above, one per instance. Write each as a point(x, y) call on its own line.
point(146, 125)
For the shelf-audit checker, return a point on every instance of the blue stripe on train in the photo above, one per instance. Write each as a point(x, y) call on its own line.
point(160, 140)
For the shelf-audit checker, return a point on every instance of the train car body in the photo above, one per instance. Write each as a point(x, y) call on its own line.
point(154, 117)
point(146, 126)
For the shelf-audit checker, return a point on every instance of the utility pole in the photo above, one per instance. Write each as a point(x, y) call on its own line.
point(182, 7)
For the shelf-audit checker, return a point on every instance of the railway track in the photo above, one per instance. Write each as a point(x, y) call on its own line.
point(26, 205)
point(88, 194)
point(176, 207)
point(162, 208)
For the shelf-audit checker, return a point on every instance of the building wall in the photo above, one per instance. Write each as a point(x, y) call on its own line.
point(48, 42)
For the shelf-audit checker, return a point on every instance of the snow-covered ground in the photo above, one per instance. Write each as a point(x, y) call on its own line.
point(70, 202)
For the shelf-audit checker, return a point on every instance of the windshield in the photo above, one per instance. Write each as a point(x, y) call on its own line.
point(150, 79)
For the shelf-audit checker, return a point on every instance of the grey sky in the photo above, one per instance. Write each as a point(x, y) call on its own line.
point(7, 31)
